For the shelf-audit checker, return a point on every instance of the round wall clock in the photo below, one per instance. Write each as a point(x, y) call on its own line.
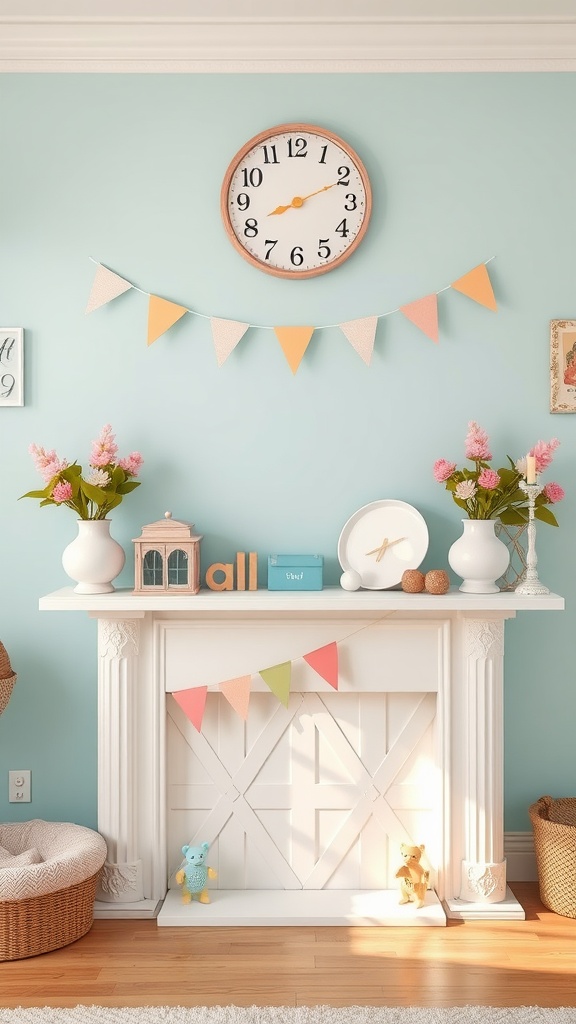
point(296, 201)
point(381, 540)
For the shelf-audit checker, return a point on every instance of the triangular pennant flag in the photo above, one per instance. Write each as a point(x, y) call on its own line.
point(192, 702)
point(162, 314)
point(424, 314)
point(294, 342)
point(361, 335)
point(324, 661)
point(237, 693)
point(105, 287)
point(476, 285)
point(277, 678)
point(226, 334)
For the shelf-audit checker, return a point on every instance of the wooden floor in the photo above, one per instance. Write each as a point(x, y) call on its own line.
point(135, 963)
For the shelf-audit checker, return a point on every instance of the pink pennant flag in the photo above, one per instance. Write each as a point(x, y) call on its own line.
point(192, 702)
point(105, 287)
point(361, 334)
point(226, 334)
point(237, 693)
point(324, 661)
point(424, 314)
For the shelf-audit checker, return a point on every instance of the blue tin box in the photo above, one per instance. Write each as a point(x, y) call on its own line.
point(295, 572)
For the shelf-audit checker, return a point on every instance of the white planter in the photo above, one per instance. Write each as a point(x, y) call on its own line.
point(479, 557)
point(93, 558)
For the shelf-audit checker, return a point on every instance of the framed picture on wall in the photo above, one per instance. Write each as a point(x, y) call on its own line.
point(563, 366)
point(11, 366)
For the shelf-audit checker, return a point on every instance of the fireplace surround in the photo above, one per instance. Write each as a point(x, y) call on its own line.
point(305, 806)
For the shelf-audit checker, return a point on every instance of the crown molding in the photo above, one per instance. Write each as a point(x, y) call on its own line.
point(41, 43)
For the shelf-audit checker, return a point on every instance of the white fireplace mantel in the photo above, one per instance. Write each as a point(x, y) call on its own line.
point(443, 653)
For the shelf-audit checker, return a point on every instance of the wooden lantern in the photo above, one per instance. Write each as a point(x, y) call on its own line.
point(167, 558)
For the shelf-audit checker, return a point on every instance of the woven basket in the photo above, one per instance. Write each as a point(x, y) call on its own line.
point(7, 678)
point(37, 925)
point(554, 825)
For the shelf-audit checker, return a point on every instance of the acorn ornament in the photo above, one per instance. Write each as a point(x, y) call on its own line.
point(412, 581)
point(437, 581)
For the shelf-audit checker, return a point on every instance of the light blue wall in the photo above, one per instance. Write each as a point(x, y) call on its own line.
point(127, 169)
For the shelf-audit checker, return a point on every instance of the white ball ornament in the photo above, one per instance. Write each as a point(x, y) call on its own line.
point(350, 580)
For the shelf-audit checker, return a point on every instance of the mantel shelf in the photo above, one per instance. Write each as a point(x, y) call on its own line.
point(329, 600)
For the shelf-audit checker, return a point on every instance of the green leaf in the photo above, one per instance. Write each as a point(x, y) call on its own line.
point(544, 514)
point(512, 517)
point(35, 494)
point(95, 494)
point(127, 487)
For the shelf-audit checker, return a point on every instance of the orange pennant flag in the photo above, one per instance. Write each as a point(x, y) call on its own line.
point(105, 287)
point(277, 678)
point(361, 335)
point(237, 693)
point(324, 661)
point(192, 702)
point(476, 285)
point(424, 314)
point(162, 314)
point(294, 342)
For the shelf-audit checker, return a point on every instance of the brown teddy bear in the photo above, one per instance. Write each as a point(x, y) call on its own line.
point(414, 878)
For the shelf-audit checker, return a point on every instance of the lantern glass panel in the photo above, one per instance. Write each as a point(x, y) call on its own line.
point(152, 569)
point(178, 568)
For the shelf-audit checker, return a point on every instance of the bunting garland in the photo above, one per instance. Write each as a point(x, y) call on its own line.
point(294, 341)
point(323, 660)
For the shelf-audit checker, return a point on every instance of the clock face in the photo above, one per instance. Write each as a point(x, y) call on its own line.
point(296, 201)
point(381, 540)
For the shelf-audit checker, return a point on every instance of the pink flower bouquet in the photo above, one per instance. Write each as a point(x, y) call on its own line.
point(91, 495)
point(486, 493)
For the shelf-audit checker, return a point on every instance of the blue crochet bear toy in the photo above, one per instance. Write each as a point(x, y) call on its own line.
point(194, 874)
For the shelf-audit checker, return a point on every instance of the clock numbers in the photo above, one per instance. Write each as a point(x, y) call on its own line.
point(252, 177)
point(243, 201)
point(251, 228)
point(350, 203)
point(344, 173)
point(342, 229)
point(323, 248)
point(296, 257)
point(322, 159)
point(297, 147)
point(270, 156)
point(271, 242)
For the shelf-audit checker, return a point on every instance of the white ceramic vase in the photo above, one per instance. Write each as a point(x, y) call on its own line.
point(479, 557)
point(93, 558)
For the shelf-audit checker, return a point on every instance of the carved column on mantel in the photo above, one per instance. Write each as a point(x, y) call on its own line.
point(118, 648)
point(483, 888)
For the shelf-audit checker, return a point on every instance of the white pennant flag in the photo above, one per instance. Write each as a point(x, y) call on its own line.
point(226, 334)
point(105, 287)
point(361, 335)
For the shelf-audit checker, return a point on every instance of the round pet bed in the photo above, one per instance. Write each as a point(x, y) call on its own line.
point(48, 877)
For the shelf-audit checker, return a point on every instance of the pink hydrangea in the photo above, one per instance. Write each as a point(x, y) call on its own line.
point(489, 479)
point(465, 489)
point(443, 470)
point(104, 448)
point(131, 464)
point(543, 451)
point(477, 444)
point(62, 492)
point(554, 492)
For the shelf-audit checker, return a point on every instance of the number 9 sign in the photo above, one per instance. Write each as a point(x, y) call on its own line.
point(11, 366)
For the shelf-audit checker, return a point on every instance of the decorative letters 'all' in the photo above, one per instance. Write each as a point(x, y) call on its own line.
point(227, 583)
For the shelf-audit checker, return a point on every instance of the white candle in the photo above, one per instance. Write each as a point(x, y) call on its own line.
point(530, 469)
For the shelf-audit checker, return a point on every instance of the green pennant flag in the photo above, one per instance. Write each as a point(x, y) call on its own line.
point(277, 679)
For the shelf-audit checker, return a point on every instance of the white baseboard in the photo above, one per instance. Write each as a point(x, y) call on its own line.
point(520, 857)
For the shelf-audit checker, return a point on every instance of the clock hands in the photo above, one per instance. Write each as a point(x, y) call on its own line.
point(380, 551)
point(299, 201)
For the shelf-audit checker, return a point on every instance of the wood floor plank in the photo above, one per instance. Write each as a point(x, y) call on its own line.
point(135, 963)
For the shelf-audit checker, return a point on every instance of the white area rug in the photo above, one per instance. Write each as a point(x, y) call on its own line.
point(290, 1015)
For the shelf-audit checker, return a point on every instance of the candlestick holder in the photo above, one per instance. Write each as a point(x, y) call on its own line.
point(531, 584)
